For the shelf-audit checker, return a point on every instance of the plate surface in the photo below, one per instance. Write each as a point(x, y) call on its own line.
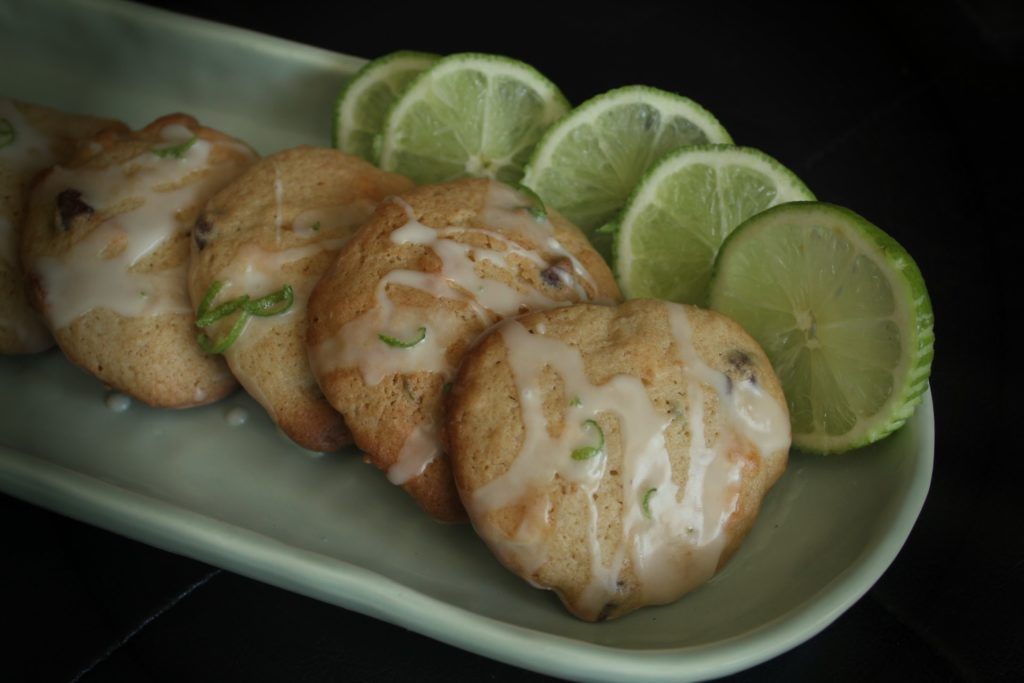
point(245, 498)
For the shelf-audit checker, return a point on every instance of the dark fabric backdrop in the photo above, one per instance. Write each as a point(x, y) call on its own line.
point(907, 112)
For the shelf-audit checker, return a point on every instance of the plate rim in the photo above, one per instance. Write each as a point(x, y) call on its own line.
point(173, 527)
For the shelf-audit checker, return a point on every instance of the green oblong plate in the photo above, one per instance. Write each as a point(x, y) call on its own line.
point(246, 499)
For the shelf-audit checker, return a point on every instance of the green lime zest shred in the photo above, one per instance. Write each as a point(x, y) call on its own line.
point(588, 452)
point(271, 304)
point(176, 151)
point(210, 346)
point(222, 311)
point(7, 134)
point(646, 504)
point(575, 402)
point(421, 334)
point(211, 294)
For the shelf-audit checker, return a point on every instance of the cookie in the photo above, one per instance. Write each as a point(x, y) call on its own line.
point(616, 455)
point(430, 271)
point(106, 249)
point(282, 223)
point(32, 138)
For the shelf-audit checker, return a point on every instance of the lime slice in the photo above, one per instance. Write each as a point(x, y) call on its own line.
point(365, 100)
point(469, 114)
point(678, 216)
point(590, 161)
point(841, 310)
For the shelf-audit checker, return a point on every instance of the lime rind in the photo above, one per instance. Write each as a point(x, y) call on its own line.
point(678, 216)
point(363, 102)
point(470, 114)
point(587, 174)
point(853, 380)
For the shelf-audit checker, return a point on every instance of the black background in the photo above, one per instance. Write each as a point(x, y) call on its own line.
point(906, 113)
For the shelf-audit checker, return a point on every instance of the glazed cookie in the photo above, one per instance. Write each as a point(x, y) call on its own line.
point(280, 224)
point(32, 138)
point(427, 274)
point(106, 248)
point(616, 455)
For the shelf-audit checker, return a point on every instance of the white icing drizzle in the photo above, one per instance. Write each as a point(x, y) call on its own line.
point(278, 203)
point(358, 343)
point(419, 449)
point(87, 276)
point(503, 209)
point(757, 415)
point(675, 543)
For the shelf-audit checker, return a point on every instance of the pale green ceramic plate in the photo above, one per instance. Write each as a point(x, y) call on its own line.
point(244, 498)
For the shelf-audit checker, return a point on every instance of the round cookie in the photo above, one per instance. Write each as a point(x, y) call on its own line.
point(281, 223)
point(32, 138)
point(424, 277)
point(616, 455)
point(106, 248)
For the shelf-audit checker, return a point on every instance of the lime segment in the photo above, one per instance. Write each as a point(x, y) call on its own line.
point(841, 310)
point(589, 162)
point(469, 115)
point(677, 218)
point(365, 100)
